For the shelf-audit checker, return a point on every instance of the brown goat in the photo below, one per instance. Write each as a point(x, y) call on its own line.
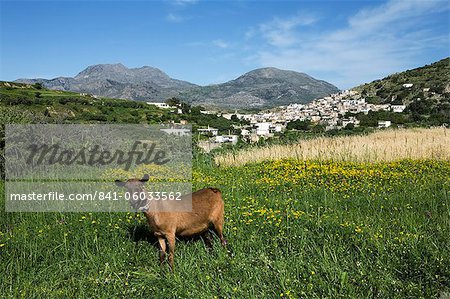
point(207, 213)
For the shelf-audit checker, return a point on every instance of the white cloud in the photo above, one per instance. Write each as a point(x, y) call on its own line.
point(281, 32)
point(392, 11)
point(373, 43)
point(250, 33)
point(184, 2)
point(217, 43)
point(175, 18)
point(220, 43)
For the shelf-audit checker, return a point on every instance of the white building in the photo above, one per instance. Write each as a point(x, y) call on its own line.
point(315, 118)
point(263, 128)
point(226, 138)
point(278, 128)
point(384, 124)
point(245, 132)
point(208, 112)
point(208, 130)
point(384, 107)
point(160, 105)
point(398, 108)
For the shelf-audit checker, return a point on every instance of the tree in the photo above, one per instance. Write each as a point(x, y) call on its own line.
point(368, 120)
point(350, 126)
point(173, 102)
point(421, 107)
point(196, 110)
point(185, 108)
point(37, 85)
point(299, 125)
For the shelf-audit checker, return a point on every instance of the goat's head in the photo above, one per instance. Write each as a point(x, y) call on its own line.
point(135, 191)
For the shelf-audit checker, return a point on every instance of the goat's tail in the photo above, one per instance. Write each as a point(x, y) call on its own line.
point(215, 190)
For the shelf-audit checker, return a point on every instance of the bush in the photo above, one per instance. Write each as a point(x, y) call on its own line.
point(302, 125)
point(37, 85)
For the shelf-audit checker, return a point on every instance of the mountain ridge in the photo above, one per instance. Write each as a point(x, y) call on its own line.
point(118, 81)
point(263, 87)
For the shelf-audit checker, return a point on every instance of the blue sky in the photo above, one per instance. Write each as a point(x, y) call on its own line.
point(344, 42)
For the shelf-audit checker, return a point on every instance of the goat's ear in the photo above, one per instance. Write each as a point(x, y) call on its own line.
point(120, 183)
point(145, 178)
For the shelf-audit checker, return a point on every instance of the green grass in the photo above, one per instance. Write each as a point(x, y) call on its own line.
point(295, 230)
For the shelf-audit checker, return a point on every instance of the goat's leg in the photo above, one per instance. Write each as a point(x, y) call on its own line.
point(171, 240)
point(162, 247)
point(218, 228)
point(207, 239)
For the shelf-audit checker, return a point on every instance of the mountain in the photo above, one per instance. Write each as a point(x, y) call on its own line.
point(265, 87)
point(117, 81)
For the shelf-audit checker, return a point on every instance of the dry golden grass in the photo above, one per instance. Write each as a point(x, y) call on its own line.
point(387, 145)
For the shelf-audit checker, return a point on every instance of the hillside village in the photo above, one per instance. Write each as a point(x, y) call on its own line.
point(329, 111)
point(333, 112)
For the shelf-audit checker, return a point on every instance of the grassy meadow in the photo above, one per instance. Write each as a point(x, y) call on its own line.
point(296, 229)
